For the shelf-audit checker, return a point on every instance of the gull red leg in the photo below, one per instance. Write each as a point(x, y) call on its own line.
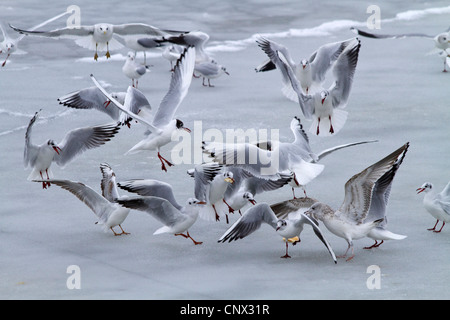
point(162, 159)
point(443, 224)
point(434, 228)
point(331, 126)
point(286, 255)
point(318, 124)
point(217, 216)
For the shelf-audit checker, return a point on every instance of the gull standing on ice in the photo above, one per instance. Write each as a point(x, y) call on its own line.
point(437, 204)
point(110, 214)
point(210, 70)
point(441, 41)
point(99, 37)
point(351, 221)
point(163, 124)
point(93, 98)
point(310, 72)
point(324, 107)
point(253, 218)
point(10, 45)
point(133, 69)
point(40, 157)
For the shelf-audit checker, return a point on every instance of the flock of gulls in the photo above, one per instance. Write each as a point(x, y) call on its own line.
point(235, 174)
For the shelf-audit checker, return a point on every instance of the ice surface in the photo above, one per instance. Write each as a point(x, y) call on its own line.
point(399, 94)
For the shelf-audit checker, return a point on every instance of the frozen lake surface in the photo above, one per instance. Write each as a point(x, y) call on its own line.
point(399, 94)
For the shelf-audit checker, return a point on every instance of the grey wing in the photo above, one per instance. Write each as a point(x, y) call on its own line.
point(71, 33)
point(443, 199)
point(45, 23)
point(387, 36)
point(30, 150)
point(247, 156)
point(359, 188)
point(121, 107)
point(344, 71)
point(133, 29)
point(98, 204)
point(150, 187)
point(161, 209)
point(250, 221)
point(313, 223)
point(280, 57)
point(108, 183)
point(326, 152)
point(257, 185)
point(322, 60)
point(206, 68)
point(79, 140)
point(135, 101)
point(267, 65)
point(284, 208)
point(89, 98)
point(203, 175)
point(178, 89)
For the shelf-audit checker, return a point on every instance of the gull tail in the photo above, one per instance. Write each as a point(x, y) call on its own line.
point(338, 120)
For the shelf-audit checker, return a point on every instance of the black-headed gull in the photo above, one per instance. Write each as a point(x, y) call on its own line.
point(163, 124)
point(211, 181)
point(41, 157)
point(324, 107)
point(197, 39)
point(133, 69)
point(210, 70)
point(253, 218)
point(109, 213)
point(284, 157)
point(93, 98)
point(99, 36)
point(310, 72)
point(172, 53)
point(437, 204)
point(176, 221)
point(10, 45)
point(441, 40)
point(350, 221)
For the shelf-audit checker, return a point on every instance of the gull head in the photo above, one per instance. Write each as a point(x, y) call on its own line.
point(304, 63)
point(426, 187)
point(281, 225)
point(318, 211)
point(228, 176)
point(222, 69)
point(180, 125)
point(104, 28)
point(54, 146)
point(194, 202)
point(130, 56)
point(442, 41)
point(324, 95)
point(249, 197)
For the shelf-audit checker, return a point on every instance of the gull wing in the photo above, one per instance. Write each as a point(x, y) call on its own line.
point(178, 89)
point(150, 187)
point(161, 209)
point(31, 150)
point(359, 188)
point(250, 221)
point(79, 140)
point(97, 203)
point(344, 70)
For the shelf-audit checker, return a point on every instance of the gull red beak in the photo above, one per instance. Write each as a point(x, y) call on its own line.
point(106, 103)
point(253, 202)
point(419, 190)
point(277, 228)
point(57, 149)
point(187, 129)
point(201, 202)
point(323, 100)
